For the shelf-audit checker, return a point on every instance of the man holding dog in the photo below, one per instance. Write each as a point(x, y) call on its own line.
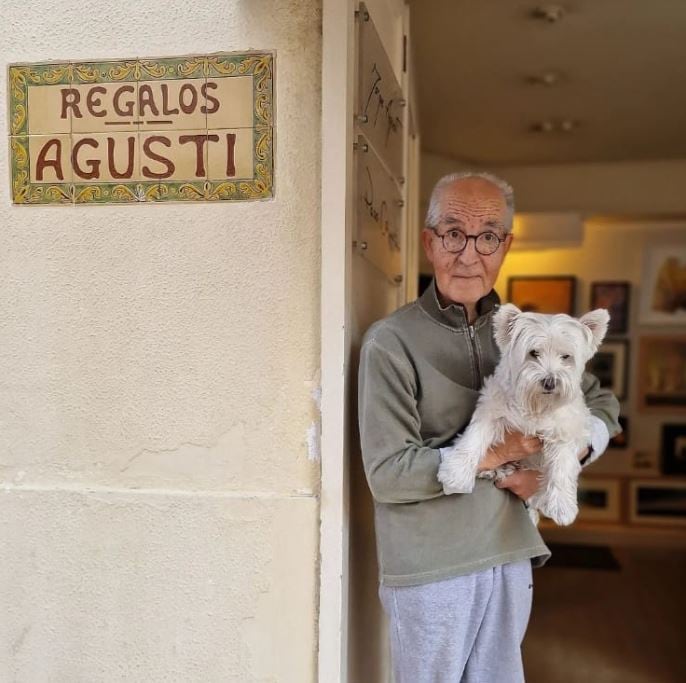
point(455, 569)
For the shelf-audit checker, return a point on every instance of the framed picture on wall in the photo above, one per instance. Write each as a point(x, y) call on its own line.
point(662, 374)
point(543, 294)
point(614, 296)
point(655, 501)
point(599, 499)
point(423, 283)
point(674, 449)
point(663, 288)
point(622, 439)
point(609, 365)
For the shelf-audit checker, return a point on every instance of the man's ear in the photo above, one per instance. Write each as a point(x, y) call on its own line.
point(503, 321)
point(427, 242)
point(596, 322)
point(508, 242)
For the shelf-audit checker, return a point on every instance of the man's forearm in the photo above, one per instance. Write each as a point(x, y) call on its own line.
point(600, 437)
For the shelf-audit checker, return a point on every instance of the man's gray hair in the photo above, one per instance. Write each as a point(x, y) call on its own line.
point(433, 215)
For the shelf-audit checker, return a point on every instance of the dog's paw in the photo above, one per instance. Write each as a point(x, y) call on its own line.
point(455, 477)
point(565, 516)
point(506, 470)
point(558, 508)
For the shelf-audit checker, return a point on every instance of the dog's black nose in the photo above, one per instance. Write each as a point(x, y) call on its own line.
point(548, 383)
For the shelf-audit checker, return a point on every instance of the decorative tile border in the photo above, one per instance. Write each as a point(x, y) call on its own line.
point(140, 110)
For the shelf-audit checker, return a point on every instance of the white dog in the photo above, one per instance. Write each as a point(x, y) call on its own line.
point(536, 390)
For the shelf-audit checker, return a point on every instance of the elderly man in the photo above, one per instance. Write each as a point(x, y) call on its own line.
point(455, 570)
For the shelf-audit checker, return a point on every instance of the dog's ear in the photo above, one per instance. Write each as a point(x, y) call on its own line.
point(502, 324)
point(596, 322)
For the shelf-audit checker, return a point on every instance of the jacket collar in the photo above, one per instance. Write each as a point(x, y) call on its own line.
point(455, 315)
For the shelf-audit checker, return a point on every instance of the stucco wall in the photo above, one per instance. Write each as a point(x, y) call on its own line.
point(159, 512)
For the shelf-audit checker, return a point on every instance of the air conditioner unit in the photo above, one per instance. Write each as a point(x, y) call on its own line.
point(547, 231)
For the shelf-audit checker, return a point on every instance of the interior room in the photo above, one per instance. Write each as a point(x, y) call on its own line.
point(579, 106)
point(560, 100)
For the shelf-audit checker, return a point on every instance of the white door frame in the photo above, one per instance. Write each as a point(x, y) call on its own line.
point(337, 209)
point(336, 251)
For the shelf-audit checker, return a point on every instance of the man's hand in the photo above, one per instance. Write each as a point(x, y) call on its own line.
point(516, 446)
point(523, 483)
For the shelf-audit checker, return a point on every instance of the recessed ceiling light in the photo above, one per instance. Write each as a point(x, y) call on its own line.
point(550, 13)
point(554, 126)
point(546, 126)
point(547, 78)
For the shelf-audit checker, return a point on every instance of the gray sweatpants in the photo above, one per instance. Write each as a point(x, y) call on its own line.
point(466, 629)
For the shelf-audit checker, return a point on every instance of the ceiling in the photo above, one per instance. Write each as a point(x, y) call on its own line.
point(622, 77)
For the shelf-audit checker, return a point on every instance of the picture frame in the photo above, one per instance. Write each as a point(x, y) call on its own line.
point(621, 440)
point(600, 499)
point(645, 463)
point(662, 374)
point(663, 286)
point(423, 282)
point(543, 293)
point(615, 297)
point(673, 449)
point(610, 366)
point(657, 502)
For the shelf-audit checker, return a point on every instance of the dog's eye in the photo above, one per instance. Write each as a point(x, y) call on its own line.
point(566, 356)
point(533, 353)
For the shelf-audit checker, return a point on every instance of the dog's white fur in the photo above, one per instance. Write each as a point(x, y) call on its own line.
point(538, 351)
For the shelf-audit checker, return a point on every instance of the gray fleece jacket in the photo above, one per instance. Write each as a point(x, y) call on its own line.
point(420, 373)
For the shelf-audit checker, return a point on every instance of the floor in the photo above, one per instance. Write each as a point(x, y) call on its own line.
point(610, 626)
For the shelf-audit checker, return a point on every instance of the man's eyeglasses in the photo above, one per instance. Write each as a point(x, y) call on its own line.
point(485, 243)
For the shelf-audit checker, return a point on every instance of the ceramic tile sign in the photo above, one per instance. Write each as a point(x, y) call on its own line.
point(194, 128)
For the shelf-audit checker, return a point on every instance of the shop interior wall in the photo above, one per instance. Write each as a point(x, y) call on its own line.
point(649, 189)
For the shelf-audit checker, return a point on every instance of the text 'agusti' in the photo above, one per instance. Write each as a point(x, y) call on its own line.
point(119, 151)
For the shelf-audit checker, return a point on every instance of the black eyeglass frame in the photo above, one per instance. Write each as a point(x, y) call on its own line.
point(470, 237)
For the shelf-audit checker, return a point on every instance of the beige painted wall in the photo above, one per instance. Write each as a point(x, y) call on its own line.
point(629, 189)
point(159, 516)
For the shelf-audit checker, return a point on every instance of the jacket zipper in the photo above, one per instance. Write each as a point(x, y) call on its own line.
point(477, 360)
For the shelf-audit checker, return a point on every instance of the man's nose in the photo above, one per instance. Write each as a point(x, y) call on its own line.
point(469, 254)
